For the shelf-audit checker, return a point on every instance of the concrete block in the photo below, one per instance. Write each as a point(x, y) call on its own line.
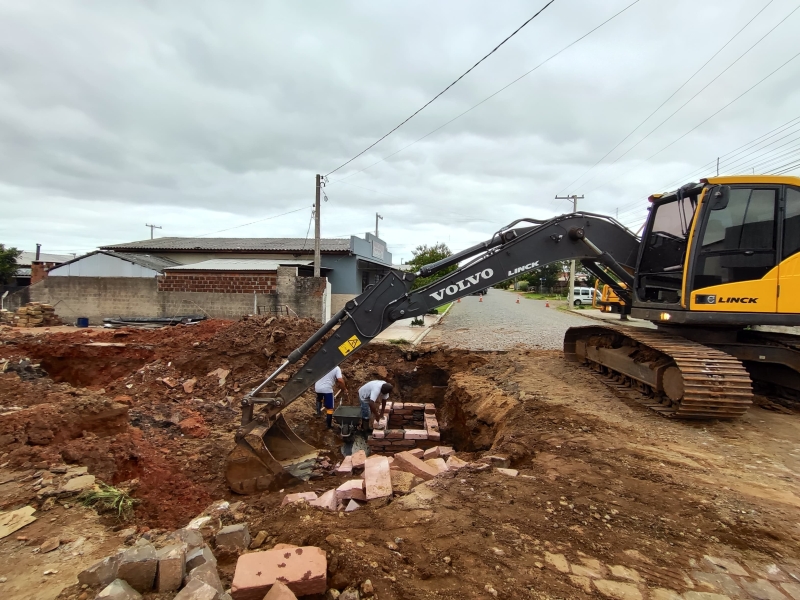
point(359, 459)
point(455, 463)
point(346, 468)
point(191, 538)
point(302, 570)
point(100, 573)
point(138, 566)
point(417, 452)
point(207, 573)
point(118, 590)
point(353, 489)
point(437, 463)
point(299, 497)
point(377, 478)
point(415, 434)
point(280, 592)
point(198, 590)
point(430, 409)
point(235, 537)
point(328, 501)
point(198, 556)
point(171, 568)
point(411, 464)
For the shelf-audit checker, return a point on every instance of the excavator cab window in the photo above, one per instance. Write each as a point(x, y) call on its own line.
point(665, 239)
point(738, 238)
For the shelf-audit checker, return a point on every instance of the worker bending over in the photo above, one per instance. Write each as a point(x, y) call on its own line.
point(368, 394)
point(324, 389)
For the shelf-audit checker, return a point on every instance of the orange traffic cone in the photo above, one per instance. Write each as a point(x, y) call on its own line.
point(458, 301)
point(517, 299)
point(480, 298)
point(547, 304)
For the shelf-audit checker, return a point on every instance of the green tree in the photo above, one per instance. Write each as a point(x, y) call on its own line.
point(8, 263)
point(425, 255)
point(550, 273)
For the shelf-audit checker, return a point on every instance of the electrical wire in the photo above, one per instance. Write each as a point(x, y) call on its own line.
point(714, 114)
point(432, 100)
point(502, 89)
point(681, 107)
point(672, 95)
point(311, 218)
point(253, 222)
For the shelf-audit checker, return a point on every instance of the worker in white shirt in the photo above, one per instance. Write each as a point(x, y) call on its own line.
point(368, 395)
point(324, 389)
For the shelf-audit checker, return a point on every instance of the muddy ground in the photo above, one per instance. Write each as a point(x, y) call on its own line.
point(606, 476)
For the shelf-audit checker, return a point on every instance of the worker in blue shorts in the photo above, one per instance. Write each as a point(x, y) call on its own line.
point(324, 389)
point(368, 395)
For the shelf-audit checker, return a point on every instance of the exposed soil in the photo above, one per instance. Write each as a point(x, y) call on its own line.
point(605, 475)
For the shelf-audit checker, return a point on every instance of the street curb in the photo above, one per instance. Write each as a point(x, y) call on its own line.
point(421, 336)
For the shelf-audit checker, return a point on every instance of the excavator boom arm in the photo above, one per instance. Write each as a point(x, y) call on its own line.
point(511, 252)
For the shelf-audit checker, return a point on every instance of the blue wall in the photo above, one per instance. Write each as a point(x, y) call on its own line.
point(346, 277)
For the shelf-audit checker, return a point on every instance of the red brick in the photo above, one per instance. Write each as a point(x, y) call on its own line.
point(431, 453)
point(416, 434)
point(417, 453)
point(437, 463)
point(346, 468)
point(377, 478)
point(411, 464)
point(351, 489)
point(303, 570)
point(359, 459)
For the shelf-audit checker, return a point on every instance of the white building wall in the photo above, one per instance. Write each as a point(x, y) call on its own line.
point(101, 265)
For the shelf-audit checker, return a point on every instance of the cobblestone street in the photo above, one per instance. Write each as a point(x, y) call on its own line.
point(499, 323)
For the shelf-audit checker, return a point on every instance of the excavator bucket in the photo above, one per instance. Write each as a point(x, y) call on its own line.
point(268, 457)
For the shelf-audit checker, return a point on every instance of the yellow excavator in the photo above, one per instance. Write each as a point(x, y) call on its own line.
point(715, 260)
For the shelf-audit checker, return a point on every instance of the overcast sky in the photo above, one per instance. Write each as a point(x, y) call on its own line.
point(203, 116)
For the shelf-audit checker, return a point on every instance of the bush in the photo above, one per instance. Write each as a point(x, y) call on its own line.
point(523, 286)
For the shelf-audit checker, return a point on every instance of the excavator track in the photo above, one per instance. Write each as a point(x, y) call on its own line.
point(677, 377)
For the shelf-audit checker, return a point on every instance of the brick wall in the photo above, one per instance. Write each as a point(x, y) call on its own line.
point(218, 282)
point(99, 297)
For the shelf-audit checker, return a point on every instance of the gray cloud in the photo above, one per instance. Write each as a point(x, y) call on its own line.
point(202, 116)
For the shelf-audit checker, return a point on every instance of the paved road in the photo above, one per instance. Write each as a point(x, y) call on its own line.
point(499, 323)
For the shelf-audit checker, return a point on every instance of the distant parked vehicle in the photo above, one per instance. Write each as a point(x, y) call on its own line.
point(583, 295)
point(482, 292)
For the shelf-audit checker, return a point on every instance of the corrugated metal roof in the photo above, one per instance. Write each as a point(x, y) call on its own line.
point(239, 264)
point(27, 257)
point(235, 244)
point(156, 263)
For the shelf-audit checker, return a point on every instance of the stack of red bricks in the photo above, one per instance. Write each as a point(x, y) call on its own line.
point(404, 426)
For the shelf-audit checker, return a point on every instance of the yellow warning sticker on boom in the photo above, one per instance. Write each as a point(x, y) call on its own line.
point(350, 345)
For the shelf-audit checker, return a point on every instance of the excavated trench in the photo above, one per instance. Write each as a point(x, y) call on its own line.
point(164, 411)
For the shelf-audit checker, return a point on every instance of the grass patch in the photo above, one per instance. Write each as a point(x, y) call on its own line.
point(535, 296)
point(107, 498)
point(440, 310)
point(398, 342)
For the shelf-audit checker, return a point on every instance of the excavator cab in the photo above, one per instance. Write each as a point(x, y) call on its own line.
point(723, 252)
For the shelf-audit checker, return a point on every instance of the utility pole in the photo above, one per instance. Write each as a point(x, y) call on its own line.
point(317, 258)
point(377, 216)
point(570, 290)
point(151, 228)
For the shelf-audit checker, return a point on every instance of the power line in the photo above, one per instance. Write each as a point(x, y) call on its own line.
point(701, 89)
point(253, 222)
point(460, 77)
point(714, 114)
point(636, 205)
point(502, 89)
point(672, 95)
